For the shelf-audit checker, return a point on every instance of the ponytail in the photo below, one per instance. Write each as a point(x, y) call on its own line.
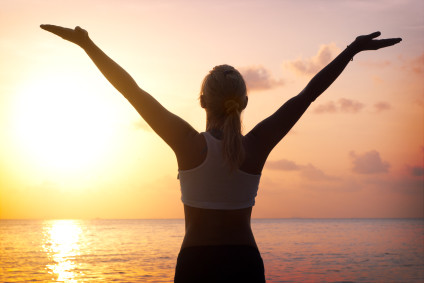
point(223, 94)
point(233, 149)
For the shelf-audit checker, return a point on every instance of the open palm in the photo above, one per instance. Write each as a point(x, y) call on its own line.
point(78, 35)
point(368, 42)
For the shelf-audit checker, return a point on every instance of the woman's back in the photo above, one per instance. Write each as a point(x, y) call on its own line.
point(214, 184)
point(217, 226)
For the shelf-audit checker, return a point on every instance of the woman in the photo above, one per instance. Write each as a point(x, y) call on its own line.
point(219, 170)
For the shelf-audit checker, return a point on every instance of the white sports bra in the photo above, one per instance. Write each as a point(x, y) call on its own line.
point(212, 185)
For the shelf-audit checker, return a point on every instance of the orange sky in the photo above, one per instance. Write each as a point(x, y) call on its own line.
point(72, 147)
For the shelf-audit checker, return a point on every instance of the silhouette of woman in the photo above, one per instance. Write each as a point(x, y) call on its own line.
point(219, 170)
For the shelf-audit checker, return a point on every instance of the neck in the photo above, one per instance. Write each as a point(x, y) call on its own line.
point(217, 133)
point(213, 125)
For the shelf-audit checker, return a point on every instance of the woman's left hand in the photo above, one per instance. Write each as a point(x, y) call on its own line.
point(78, 35)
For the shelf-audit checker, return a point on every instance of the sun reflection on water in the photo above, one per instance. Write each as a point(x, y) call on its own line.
point(62, 245)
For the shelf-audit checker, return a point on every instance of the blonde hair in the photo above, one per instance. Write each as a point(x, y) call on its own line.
point(223, 94)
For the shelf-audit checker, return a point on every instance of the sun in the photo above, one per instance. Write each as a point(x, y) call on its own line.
point(62, 125)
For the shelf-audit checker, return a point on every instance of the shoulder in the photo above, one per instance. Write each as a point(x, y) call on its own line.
point(194, 152)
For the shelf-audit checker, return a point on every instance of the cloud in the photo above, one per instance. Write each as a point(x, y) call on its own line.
point(312, 65)
point(342, 105)
point(312, 173)
point(258, 78)
point(382, 106)
point(329, 107)
point(416, 171)
point(308, 172)
point(369, 163)
point(283, 164)
point(351, 106)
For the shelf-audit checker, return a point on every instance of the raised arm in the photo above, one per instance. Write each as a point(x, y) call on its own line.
point(271, 130)
point(329, 74)
point(171, 128)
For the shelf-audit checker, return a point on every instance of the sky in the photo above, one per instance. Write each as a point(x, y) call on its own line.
point(72, 147)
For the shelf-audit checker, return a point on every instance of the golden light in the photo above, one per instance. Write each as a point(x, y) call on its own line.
point(62, 245)
point(62, 125)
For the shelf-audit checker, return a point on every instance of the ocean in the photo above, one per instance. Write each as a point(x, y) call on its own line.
point(293, 250)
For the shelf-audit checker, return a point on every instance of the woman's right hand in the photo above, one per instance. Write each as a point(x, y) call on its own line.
point(78, 35)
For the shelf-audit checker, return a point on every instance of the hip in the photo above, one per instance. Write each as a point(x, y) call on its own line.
point(220, 263)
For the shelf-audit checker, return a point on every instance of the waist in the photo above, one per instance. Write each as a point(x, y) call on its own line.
point(208, 227)
point(217, 204)
point(222, 263)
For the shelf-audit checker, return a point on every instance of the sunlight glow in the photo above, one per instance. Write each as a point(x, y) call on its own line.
point(62, 126)
point(62, 243)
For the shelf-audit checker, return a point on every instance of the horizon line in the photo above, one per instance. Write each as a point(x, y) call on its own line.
point(253, 218)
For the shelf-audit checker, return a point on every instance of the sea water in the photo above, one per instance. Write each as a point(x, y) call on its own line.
point(293, 250)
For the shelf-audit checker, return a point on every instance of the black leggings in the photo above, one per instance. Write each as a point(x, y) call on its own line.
point(232, 263)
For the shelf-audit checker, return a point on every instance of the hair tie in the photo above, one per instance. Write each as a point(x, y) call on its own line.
point(231, 106)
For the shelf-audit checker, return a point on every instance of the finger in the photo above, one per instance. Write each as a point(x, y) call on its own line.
point(60, 31)
point(53, 28)
point(374, 35)
point(396, 40)
point(79, 29)
point(377, 44)
point(48, 27)
point(390, 41)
